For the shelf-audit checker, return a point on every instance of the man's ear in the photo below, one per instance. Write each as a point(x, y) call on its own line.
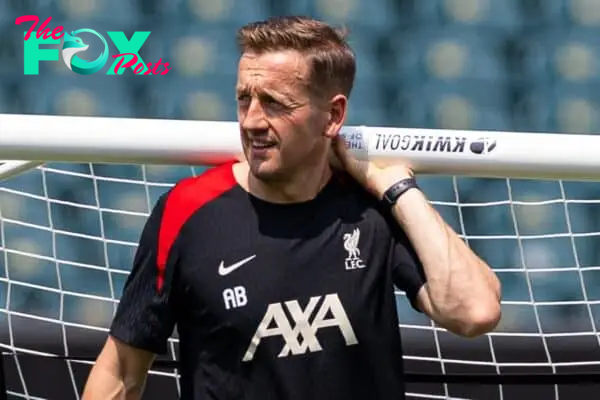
point(338, 109)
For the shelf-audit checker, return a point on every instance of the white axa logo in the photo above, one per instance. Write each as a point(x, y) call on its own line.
point(302, 337)
point(353, 261)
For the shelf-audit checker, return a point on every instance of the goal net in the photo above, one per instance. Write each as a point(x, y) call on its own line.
point(69, 231)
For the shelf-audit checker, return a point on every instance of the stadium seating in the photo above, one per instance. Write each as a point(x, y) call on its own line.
point(88, 13)
point(561, 54)
point(77, 95)
point(378, 14)
point(504, 15)
point(205, 97)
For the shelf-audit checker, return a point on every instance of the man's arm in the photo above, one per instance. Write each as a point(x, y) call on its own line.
point(143, 323)
point(461, 293)
point(119, 372)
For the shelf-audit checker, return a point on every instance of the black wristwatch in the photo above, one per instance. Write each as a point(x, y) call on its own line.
point(391, 196)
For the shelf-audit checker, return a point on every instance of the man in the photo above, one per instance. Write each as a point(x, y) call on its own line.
point(279, 271)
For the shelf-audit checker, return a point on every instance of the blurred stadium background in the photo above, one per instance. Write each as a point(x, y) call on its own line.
point(507, 65)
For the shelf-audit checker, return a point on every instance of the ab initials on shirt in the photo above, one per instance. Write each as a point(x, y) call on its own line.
point(235, 297)
point(302, 337)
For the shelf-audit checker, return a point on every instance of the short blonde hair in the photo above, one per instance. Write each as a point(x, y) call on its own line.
point(331, 60)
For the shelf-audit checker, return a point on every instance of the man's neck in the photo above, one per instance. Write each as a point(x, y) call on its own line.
point(303, 187)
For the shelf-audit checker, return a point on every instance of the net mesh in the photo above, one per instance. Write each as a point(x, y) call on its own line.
point(69, 232)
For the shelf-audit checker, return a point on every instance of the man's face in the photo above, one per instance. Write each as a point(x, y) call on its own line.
point(283, 127)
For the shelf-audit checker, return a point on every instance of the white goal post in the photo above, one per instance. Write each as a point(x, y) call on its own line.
point(76, 191)
point(31, 138)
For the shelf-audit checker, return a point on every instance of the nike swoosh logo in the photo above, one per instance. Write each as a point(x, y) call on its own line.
point(223, 270)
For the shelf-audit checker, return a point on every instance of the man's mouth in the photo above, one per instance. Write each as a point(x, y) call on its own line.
point(262, 145)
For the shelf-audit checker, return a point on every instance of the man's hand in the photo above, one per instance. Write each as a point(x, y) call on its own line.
point(374, 178)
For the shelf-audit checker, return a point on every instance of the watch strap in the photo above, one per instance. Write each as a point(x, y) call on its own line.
point(393, 193)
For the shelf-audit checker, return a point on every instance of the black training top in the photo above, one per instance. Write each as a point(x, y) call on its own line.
point(272, 301)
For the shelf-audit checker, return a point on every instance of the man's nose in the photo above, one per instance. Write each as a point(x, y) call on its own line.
point(255, 118)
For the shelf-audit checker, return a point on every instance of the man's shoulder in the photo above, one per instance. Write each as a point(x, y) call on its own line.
point(203, 188)
point(357, 198)
point(350, 188)
point(190, 194)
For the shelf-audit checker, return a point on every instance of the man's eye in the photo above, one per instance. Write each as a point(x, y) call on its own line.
point(271, 102)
